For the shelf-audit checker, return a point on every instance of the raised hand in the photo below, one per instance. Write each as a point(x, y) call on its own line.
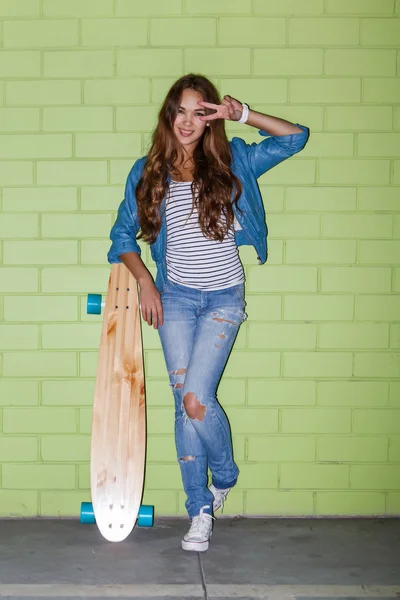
point(229, 109)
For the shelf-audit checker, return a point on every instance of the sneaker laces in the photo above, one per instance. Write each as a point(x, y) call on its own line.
point(220, 496)
point(201, 523)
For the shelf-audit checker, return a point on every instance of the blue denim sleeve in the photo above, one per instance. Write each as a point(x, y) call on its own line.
point(124, 231)
point(275, 149)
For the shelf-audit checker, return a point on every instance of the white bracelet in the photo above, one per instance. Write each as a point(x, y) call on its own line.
point(245, 114)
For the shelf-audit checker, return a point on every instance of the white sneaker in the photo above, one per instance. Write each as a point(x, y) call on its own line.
point(200, 532)
point(219, 497)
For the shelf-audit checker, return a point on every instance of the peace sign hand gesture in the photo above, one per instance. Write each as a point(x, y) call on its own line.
point(229, 109)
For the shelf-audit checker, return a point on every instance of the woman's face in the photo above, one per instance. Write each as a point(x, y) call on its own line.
point(188, 128)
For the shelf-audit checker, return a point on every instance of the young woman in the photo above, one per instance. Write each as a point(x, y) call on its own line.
point(195, 198)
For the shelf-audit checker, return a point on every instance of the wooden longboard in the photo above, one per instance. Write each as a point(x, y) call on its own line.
point(119, 414)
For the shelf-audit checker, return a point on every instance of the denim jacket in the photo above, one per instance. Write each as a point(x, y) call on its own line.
point(249, 161)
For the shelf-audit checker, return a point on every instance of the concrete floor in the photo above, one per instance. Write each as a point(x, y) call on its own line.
point(248, 559)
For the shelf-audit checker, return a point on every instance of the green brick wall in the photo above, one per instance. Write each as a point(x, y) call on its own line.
point(312, 388)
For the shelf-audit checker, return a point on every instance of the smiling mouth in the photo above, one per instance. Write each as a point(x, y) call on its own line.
point(185, 133)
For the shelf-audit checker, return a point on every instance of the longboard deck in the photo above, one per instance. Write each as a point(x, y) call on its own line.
point(119, 416)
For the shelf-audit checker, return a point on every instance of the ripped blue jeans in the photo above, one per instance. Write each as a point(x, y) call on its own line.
point(197, 336)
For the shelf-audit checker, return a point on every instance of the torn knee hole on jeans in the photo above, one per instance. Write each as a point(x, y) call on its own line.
point(186, 458)
point(193, 407)
point(178, 372)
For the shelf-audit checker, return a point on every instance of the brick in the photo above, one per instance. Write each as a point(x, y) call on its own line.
point(360, 62)
point(88, 364)
point(139, 118)
point(60, 503)
point(36, 146)
point(256, 90)
point(396, 117)
point(16, 337)
point(317, 364)
point(114, 32)
point(382, 252)
point(127, 8)
point(75, 279)
point(290, 173)
point(352, 393)
point(288, 7)
point(333, 307)
point(253, 364)
point(20, 63)
point(397, 280)
point(39, 199)
point(78, 63)
point(72, 172)
point(163, 476)
point(18, 449)
point(101, 198)
point(395, 336)
point(384, 421)
point(257, 476)
point(395, 393)
point(67, 393)
point(359, 226)
point(378, 198)
point(289, 226)
point(352, 449)
point(23, 504)
point(251, 31)
point(350, 503)
point(75, 226)
point(40, 308)
point(377, 308)
point(282, 279)
point(119, 170)
point(281, 449)
point(288, 62)
point(18, 393)
point(263, 307)
point(355, 279)
point(116, 91)
point(94, 252)
point(358, 118)
point(22, 226)
point(219, 61)
point(315, 477)
point(311, 115)
point(40, 33)
point(65, 448)
point(330, 144)
point(274, 199)
point(397, 226)
point(167, 499)
point(78, 119)
point(160, 87)
point(159, 393)
point(183, 32)
point(279, 503)
point(328, 90)
point(18, 280)
point(281, 393)
point(384, 90)
point(396, 176)
point(378, 144)
point(78, 8)
point(218, 7)
point(253, 420)
point(39, 420)
point(394, 449)
point(22, 8)
point(149, 62)
point(16, 173)
point(71, 336)
point(320, 199)
point(323, 32)
point(85, 420)
point(312, 420)
point(38, 477)
point(275, 254)
point(354, 335)
point(160, 449)
point(375, 477)
point(373, 364)
point(393, 504)
point(19, 119)
point(42, 93)
point(372, 172)
point(380, 32)
point(39, 364)
point(361, 7)
point(282, 336)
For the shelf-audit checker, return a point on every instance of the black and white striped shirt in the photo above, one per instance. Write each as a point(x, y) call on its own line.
point(192, 259)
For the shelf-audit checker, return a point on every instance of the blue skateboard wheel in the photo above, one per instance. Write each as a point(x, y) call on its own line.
point(94, 304)
point(145, 516)
point(87, 513)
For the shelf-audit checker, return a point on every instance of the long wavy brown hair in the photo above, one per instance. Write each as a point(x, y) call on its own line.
point(215, 188)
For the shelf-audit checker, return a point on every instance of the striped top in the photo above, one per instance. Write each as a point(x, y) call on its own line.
point(192, 259)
